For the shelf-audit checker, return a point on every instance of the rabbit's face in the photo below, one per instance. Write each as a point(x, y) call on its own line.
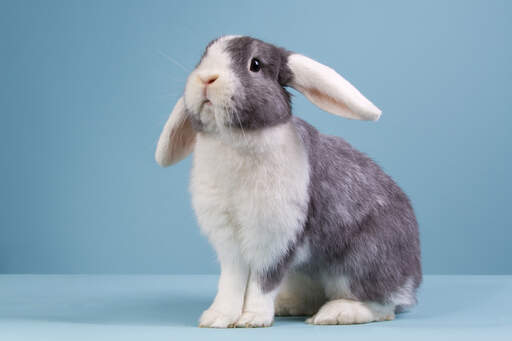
point(238, 85)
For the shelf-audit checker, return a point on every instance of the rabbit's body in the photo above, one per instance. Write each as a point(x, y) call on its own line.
point(302, 222)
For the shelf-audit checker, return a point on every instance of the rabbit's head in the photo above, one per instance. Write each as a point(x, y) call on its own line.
point(240, 85)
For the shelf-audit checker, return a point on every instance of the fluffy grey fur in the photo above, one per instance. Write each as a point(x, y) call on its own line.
point(360, 224)
point(264, 101)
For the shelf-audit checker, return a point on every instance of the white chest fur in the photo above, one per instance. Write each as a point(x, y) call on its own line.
point(252, 187)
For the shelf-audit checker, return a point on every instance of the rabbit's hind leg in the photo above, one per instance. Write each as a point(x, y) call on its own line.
point(344, 311)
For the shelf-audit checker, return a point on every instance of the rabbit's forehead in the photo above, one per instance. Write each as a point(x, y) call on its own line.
point(245, 47)
point(216, 52)
point(238, 50)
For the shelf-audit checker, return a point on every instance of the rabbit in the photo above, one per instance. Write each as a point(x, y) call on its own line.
point(302, 223)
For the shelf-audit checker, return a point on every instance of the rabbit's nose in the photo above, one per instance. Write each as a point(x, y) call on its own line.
point(208, 79)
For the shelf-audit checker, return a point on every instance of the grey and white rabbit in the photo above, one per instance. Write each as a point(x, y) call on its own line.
point(303, 224)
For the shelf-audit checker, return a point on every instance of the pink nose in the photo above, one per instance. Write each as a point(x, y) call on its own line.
point(208, 79)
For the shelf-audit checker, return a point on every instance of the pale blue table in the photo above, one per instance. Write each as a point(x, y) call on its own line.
point(140, 307)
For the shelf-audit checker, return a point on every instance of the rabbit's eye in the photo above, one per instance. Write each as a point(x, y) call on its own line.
point(255, 65)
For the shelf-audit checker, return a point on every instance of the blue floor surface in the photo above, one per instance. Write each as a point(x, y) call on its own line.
point(147, 307)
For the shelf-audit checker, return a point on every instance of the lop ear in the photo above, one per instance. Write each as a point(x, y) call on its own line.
point(328, 90)
point(177, 138)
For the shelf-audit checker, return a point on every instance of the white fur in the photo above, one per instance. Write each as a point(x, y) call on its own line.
point(216, 62)
point(255, 187)
point(258, 306)
point(228, 303)
point(327, 89)
point(404, 296)
point(345, 311)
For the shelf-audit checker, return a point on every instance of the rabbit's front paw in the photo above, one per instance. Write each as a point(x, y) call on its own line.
point(216, 319)
point(254, 320)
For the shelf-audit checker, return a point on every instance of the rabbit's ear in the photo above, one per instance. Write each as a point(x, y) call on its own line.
point(177, 138)
point(328, 90)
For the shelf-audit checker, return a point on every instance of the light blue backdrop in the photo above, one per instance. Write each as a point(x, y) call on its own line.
point(86, 87)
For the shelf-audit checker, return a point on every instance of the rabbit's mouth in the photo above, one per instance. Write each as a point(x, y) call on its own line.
point(206, 103)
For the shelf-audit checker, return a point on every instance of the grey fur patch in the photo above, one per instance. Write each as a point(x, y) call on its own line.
point(195, 120)
point(262, 101)
point(360, 223)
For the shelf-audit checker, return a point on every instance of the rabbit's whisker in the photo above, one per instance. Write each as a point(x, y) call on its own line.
point(174, 61)
point(241, 127)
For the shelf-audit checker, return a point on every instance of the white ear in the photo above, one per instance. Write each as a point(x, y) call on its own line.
point(328, 90)
point(177, 138)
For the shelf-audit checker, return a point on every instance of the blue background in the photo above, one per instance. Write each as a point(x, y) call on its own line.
point(87, 86)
